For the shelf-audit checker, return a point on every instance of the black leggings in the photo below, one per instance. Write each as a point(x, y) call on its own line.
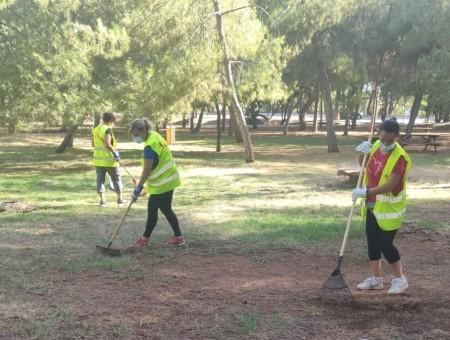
point(380, 241)
point(164, 203)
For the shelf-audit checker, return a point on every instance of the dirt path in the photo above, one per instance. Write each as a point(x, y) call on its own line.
point(196, 294)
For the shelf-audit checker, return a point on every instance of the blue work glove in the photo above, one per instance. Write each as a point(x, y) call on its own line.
point(116, 155)
point(364, 147)
point(359, 192)
point(136, 192)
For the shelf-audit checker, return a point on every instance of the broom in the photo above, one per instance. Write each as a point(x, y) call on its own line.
point(335, 289)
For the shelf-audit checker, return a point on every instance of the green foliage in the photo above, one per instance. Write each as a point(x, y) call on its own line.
point(64, 60)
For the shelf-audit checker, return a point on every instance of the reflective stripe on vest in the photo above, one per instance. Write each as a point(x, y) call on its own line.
point(165, 176)
point(389, 209)
point(389, 216)
point(391, 199)
point(162, 170)
point(164, 181)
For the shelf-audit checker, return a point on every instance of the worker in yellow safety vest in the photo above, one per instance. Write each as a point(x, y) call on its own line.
point(106, 157)
point(384, 207)
point(160, 176)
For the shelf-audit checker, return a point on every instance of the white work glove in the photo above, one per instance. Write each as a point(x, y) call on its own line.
point(364, 147)
point(359, 192)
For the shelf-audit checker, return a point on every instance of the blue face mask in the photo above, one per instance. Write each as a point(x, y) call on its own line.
point(387, 148)
point(138, 139)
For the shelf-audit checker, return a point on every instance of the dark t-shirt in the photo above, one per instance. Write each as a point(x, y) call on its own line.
point(109, 132)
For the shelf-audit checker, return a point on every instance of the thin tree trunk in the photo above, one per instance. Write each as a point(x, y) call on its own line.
point(354, 116)
point(191, 121)
point(324, 82)
point(369, 104)
point(230, 122)
point(219, 130)
point(200, 120)
point(316, 107)
point(224, 114)
point(347, 123)
point(239, 114)
point(302, 112)
point(414, 112)
point(337, 114)
point(233, 126)
point(67, 142)
point(184, 121)
point(289, 110)
point(321, 110)
point(305, 106)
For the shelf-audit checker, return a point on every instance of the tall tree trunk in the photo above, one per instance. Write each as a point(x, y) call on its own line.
point(67, 142)
point(354, 114)
point(200, 120)
point(224, 114)
point(347, 123)
point(305, 106)
point(233, 126)
point(324, 83)
point(316, 106)
point(303, 109)
point(288, 111)
point(219, 130)
point(285, 113)
point(183, 123)
point(369, 104)
point(414, 112)
point(337, 101)
point(239, 114)
point(191, 121)
point(321, 110)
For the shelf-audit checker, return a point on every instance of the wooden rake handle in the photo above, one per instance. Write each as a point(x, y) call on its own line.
point(116, 231)
point(126, 170)
point(363, 165)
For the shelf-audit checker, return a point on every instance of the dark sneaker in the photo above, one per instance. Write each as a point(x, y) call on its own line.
point(121, 202)
point(176, 241)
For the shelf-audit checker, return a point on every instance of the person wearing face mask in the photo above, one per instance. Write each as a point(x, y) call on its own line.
point(160, 176)
point(106, 157)
point(384, 196)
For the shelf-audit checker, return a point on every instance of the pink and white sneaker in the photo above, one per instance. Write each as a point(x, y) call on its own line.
point(176, 241)
point(143, 242)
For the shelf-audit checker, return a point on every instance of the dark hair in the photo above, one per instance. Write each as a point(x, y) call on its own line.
point(141, 124)
point(390, 126)
point(109, 117)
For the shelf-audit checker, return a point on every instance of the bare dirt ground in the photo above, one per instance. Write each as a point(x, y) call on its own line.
point(236, 293)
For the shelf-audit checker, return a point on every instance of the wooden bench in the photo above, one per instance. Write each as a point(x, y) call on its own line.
point(419, 143)
point(435, 145)
point(352, 173)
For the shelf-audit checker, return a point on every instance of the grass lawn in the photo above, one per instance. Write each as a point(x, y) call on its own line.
point(290, 198)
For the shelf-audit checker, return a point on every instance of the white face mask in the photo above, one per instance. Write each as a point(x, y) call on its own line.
point(387, 148)
point(138, 139)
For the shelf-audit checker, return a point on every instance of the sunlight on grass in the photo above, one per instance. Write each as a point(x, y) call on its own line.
point(291, 196)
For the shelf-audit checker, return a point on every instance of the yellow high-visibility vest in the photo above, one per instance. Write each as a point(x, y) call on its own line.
point(102, 156)
point(390, 209)
point(165, 176)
